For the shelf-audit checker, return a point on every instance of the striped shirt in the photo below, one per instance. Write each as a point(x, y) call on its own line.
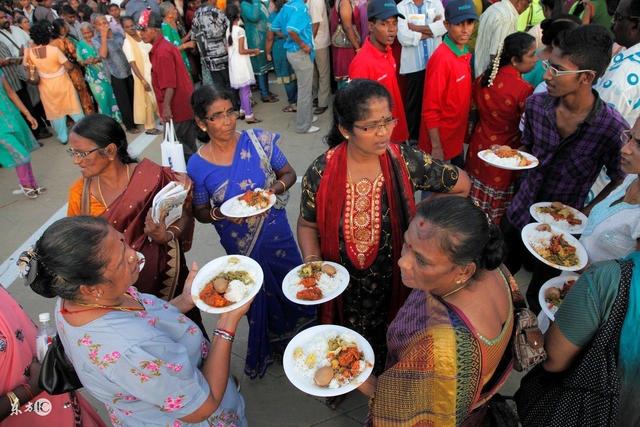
point(12, 71)
point(568, 166)
point(416, 52)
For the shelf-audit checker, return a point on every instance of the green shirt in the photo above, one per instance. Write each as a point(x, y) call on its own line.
point(454, 47)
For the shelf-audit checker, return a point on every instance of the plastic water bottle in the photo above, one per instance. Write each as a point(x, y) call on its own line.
point(46, 332)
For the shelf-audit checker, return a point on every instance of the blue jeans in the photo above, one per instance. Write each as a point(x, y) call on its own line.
point(263, 84)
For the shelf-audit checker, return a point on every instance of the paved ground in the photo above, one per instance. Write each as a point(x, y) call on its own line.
point(272, 400)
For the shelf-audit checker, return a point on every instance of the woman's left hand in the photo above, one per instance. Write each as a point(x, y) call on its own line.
point(156, 231)
point(32, 122)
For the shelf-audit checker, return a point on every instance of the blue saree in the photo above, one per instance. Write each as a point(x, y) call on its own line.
point(273, 319)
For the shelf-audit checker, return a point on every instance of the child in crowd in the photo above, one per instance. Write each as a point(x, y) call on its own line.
point(447, 87)
point(240, 69)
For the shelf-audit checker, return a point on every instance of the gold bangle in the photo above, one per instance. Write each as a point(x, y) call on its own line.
point(173, 236)
point(213, 215)
point(178, 229)
point(15, 403)
point(284, 186)
point(308, 258)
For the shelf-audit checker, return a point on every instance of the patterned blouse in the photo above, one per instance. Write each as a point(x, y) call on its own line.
point(144, 365)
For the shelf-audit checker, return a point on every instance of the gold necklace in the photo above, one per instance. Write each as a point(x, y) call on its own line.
point(104, 202)
point(459, 288)
point(110, 307)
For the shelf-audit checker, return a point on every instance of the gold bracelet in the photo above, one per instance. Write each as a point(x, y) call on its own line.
point(308, 258)
point(173, 236)
point(284, 186)
point(213, 215)
point(15, 402)
point(178, 229)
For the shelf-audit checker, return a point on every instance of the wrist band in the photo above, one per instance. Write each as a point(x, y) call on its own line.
point(15, 402)
point(284, 186)
point(173, 236)
point(178, 229)
point(223, 334)
point(27, 388)
point(308, 258)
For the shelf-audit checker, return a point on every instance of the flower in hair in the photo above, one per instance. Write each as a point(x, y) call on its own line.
point(495, 65)
point(24, 262)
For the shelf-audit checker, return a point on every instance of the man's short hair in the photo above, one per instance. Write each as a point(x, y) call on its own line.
point(68, 10)
point(112, 5)
point(588, 47)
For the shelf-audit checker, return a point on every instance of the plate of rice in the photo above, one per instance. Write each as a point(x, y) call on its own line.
point(226, 283)
point(315, 282)
point(562, 216)
point(328, 360)
point(554, 247)
point(553, 291)
point(250, 203)
point(505, 157)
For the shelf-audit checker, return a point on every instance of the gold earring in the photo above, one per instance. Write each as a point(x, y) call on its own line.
point(458, 281)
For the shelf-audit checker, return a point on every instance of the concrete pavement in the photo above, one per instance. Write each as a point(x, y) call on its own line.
point(272, 400)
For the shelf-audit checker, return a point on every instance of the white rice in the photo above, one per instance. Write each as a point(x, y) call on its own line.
point(512, 162)
point(325, 283)
point(236, 291)
point(549, 219)
point(318, 347)
point(240, 208)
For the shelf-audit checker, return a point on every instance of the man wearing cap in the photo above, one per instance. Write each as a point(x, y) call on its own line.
point(447, 88)
point(496, 23)
point(170, 80)
point(374, 61)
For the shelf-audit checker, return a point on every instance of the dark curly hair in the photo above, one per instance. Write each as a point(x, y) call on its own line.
point(41, 33)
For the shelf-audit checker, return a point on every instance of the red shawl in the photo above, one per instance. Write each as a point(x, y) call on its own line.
point(330, 200)
point(127, 213)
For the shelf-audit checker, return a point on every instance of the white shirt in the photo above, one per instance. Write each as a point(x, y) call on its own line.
point(612, 231)
point(29, 13)
point(318, 13)
point(416, 52)
point(620, 84)
point(496, 23)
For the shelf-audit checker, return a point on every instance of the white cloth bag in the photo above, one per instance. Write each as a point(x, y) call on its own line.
point(172, 151)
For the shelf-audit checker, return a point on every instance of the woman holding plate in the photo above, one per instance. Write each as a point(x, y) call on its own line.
point(139, 355)
point(357, 200)
point(118, 188)
point(450, 339)
point(230, 164)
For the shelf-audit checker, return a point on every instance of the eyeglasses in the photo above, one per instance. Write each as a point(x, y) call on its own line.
point(555, 72)
point(617, 17)
point(385, 125)
point(627, 136)
point(80, 154)
point(229, 114)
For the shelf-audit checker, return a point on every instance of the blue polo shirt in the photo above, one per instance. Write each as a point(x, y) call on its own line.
point(294, 16)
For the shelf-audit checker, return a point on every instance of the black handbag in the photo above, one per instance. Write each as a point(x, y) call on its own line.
point(589, 392)
point(57, 374)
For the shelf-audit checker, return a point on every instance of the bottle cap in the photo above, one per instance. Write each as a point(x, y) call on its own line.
point(44, 317)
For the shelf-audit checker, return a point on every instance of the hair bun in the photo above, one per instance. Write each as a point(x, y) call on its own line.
point(494, 250)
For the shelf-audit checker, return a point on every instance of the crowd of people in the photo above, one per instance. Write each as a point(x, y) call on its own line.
point(419, 89)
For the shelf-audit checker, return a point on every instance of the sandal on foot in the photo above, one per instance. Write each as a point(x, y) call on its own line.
point(289, 109)
point(31, 193)
point(152, 131)
point(268, 99)
point(41, 190)
point(252, 120)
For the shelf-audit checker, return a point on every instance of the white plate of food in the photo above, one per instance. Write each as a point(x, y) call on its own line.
point(315, 282)
point(328, 360)
point(554, 247)
point(505, 157)
point(250, 203)
point(562, 216)
point(226, 283)
point(553, 291)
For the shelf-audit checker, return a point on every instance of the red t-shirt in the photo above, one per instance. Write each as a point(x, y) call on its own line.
point(446, 99)
point(168, 71)
point(372, 64)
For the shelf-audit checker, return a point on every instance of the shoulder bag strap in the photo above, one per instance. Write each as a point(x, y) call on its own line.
point(85, 201)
